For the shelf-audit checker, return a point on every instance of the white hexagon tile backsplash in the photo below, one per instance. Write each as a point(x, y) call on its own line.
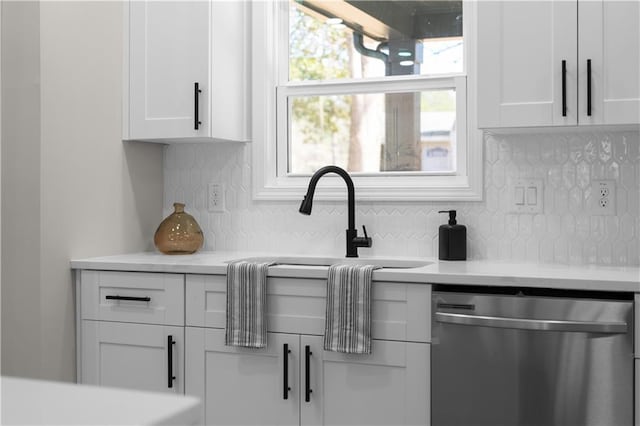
point(565, 233)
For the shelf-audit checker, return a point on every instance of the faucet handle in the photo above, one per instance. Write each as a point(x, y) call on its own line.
point(362, 241)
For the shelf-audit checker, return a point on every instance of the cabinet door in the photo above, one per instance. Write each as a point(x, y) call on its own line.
point(637, 326)
point(169, 51)
point(133, 356)
point(609, 37)
point(637, 393)
point(239, 385)
point(388, 387)
point(520, 48)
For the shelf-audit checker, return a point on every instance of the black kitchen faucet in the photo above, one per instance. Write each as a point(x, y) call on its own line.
point(353, 241)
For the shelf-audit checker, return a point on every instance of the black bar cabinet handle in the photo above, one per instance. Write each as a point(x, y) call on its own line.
point(196, 97)
point(136, 299)
point(170, 375)
point(564, 88)
point(285, 366)
point(307, 376)
point(589, 87)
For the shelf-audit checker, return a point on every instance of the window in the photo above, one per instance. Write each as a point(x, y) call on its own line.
point(378, 88)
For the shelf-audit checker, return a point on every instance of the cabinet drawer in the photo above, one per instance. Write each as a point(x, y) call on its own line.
point(151, 298)
point(400, 311)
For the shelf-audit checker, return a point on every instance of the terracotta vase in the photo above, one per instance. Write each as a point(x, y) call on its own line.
point(178, 233)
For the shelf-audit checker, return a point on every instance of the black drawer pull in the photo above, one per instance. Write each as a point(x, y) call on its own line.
point(285, 366)
point(133, 298)
point(307, 373)
point(564, 88)
point(170, 375)
point(589, 87)
point(196, 107)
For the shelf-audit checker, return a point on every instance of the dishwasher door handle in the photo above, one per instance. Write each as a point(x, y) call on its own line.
point(533, 324)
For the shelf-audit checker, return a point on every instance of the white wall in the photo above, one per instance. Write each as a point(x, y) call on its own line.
point(21, 188)
point(88, 192)
point(0, 183)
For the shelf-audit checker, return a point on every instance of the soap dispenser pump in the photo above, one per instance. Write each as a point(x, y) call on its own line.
point(452, 238)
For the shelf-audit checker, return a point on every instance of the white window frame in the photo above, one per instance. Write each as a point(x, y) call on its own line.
point(270, 178)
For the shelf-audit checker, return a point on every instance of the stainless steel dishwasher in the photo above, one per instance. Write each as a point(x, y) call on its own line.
point(524, 356)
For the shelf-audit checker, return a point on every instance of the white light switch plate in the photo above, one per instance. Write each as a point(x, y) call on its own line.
point(526, 196)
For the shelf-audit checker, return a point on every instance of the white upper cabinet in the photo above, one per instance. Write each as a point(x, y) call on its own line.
point(609, 37)
point(186, 71)
point(558, 63)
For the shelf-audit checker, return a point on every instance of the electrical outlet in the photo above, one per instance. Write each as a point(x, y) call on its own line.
point(216, 197)
point(603, 197)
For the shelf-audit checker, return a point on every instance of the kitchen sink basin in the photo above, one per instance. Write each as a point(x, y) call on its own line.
point(327, 261)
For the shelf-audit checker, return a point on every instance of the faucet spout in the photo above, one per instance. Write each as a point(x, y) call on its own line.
point(353, 241)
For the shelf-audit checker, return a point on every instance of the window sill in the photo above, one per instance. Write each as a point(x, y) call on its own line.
point(389, 188)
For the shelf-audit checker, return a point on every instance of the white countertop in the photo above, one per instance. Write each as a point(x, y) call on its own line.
point(37, 402)
point(443, 272)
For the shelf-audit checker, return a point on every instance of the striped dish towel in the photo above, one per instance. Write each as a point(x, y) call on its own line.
point(246, 304)
point(348, 316)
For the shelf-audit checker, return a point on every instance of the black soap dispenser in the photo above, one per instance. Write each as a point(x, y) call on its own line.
point(452, 238)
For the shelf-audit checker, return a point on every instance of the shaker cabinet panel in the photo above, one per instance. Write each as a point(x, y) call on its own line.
point(400, 311)
point(133, 356)
point(144, 297)
point(168, 53)
point(610, 41)
point(521, 48)
point(390, 386)
point(242, 386)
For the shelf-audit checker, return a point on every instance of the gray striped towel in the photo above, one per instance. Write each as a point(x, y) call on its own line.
point(348, 316)
point(246, 304)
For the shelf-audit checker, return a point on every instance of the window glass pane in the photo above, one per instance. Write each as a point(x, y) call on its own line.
point(336, 39)
point(373, 132)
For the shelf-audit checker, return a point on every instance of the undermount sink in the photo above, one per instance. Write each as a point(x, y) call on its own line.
point(327, 261)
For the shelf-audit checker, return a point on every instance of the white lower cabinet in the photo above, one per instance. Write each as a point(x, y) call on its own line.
point(131, 330)
point(133, 356)
point(390, 386)
point(247, 386)
point(165, 332)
